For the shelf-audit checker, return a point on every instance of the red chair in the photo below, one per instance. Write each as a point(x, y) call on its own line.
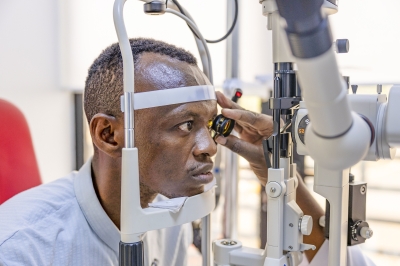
point(18, 166)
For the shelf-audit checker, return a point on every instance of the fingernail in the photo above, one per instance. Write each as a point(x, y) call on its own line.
point(220, 140)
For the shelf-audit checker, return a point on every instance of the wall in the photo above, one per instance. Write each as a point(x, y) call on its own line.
point(87, 27)
point(29, 79)
point(372, 28)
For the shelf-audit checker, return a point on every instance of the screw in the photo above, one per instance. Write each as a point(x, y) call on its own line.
point(379, 88)
point(291, 225)
point(363, 189)
point(366, 232)
point(228, 243)
point(273, 190)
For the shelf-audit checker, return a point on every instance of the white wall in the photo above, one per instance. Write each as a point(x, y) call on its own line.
point(87, 28)
point(373, 30)
point(29, 79)
point(255, 42)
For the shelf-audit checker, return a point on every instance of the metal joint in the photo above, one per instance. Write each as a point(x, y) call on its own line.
point(283, 103)
point(274, 103)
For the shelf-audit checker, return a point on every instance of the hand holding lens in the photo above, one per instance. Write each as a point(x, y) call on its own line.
point(222, 125)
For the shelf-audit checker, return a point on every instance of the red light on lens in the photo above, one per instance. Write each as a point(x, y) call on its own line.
point(238, 94)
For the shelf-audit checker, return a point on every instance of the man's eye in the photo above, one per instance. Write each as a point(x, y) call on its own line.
point(187, 126)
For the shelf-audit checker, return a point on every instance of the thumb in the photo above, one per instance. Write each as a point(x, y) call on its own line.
point(251, 152)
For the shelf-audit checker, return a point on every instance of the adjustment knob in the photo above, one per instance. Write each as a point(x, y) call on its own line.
point(305, 225)
point(322, 221)
point(366, 232)
point(154, 8)
point(342, 46)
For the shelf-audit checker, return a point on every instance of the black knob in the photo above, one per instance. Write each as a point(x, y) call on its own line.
point(342, 46)
point(154, 8)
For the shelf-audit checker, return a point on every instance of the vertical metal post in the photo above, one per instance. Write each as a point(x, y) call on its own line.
point(232, 43)
point(131, 254)
point(276, 136)
point(79, 132)
point(206, 240)
point(231, 159)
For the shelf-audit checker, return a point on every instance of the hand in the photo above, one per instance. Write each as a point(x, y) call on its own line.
point(252, 129)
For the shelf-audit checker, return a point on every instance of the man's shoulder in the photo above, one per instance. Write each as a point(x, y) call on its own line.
point(38, 206)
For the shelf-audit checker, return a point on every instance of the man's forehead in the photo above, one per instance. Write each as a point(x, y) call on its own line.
point(157, 72)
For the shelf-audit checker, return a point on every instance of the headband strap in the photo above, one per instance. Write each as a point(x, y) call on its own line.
point(149, 99)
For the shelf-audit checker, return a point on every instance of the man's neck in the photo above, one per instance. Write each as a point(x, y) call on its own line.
point(106, 177)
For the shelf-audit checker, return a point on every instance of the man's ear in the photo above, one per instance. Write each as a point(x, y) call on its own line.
point(107, 134)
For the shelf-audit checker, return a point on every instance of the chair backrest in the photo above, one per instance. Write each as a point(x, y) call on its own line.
point(18, 166)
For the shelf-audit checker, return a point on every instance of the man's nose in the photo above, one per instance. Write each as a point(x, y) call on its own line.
point(205, 145)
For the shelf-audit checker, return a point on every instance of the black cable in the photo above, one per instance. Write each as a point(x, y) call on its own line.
point(230, 29)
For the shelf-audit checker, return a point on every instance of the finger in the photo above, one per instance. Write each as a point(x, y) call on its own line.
point(238, 128)
point(224, 102)
point(261, 122)
point(252, 153)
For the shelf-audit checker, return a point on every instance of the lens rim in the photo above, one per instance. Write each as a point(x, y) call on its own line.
point(219, 124)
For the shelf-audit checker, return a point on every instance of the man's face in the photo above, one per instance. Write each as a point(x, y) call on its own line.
point(174, 142)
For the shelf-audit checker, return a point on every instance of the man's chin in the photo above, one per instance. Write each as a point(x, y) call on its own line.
point(186, 193)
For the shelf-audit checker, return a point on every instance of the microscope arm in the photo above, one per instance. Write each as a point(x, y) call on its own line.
point(334, 126)
point(337, 138)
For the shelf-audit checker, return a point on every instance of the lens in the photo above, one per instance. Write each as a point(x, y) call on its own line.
point(226, 127)
point(222, 125)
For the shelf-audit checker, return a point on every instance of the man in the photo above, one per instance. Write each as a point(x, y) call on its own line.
point(75, 220)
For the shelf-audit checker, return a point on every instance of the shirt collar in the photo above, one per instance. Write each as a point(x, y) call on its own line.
point(92, 209)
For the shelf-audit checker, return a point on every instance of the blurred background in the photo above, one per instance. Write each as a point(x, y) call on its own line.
point(47, 46)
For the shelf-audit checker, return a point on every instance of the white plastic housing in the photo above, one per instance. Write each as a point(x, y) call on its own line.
point(324, 92)
point(341, 152)
point(383, 116)
point(392, 120)
point(226, 255)
point(275, 207)
point(281, 50)
point(300, 146)
point(372, 106)
point(334, 186)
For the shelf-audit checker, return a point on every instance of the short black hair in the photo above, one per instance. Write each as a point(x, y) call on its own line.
point(104, 83)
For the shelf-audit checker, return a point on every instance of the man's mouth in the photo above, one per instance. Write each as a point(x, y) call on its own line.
point(204, 178)
point(203, 174)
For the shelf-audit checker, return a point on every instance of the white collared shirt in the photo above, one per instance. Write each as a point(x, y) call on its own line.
point(63, 223)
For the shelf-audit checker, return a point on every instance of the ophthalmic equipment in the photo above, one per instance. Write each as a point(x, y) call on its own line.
point(336, 129)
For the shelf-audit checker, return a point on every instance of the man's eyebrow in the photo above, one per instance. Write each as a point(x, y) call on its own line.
point(185, 113)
